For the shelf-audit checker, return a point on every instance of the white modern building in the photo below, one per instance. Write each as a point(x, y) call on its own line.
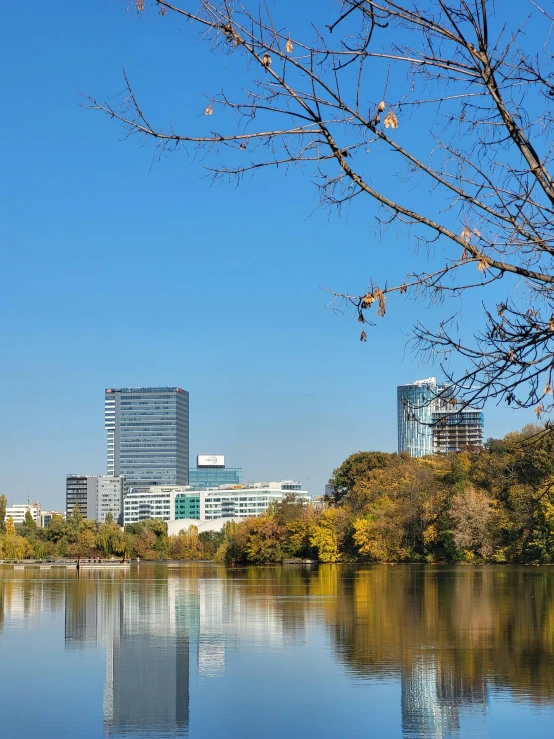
point(157, 502)
point(172, 502)
point(95, 496)
point(111, 490)
point(17, 512)
point(46, 517)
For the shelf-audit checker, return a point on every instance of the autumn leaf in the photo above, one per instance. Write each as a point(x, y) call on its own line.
point(391, 121)
point(381, 106)
point(140, 5)
point(367, 300)
point(539, 409)
point(163, 10)
point(551, 323)
point(465, 255)
point(289, 47)
point(483, 265)
point(209, 110)
point(380, 297)
point(267, 60)
point(547, 389)
point(466, 235)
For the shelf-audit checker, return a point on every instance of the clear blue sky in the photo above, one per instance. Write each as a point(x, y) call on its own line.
point(119, 273)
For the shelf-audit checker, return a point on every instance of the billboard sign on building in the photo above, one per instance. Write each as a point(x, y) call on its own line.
point(210, 460)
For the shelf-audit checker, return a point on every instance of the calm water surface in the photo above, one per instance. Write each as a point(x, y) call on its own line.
point(335, 651)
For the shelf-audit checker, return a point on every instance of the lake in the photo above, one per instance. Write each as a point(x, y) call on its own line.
point(264, 653)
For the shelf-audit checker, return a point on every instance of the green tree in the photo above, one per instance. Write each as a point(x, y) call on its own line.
point(3, 506)
point(58, 529)
point(355, 468)
point(28, 528)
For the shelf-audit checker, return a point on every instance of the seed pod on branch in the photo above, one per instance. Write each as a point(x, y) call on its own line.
point(289, 46)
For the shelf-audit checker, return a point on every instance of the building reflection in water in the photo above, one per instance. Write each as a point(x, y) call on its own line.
point(142, 627)
point(446, 636)
point(147, 628)
point(432, 699)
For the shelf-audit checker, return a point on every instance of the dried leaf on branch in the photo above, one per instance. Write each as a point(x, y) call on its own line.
point(472, 151)
point(380, 297)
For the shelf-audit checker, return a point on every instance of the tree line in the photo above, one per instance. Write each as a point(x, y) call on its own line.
point(489, 505)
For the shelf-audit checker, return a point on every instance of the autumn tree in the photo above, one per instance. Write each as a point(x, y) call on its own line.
point(355, 469)
point(186, 545)
point(329, 534)
point(372, 99)
point(471, 513)
point(15, 546)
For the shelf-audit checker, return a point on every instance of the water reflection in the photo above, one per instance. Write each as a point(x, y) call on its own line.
point(449, 637)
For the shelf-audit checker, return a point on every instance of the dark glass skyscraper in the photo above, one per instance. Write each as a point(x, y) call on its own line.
point(148, 435)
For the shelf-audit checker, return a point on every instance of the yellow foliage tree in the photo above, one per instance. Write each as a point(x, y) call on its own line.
point(380, 536)
point(328, 534)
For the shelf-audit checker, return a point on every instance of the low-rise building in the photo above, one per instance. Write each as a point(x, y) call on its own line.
point(172, 503)
point(210, 472)
point(157, 502)
point(17, 512)
point(95, 496)
point(46, 517)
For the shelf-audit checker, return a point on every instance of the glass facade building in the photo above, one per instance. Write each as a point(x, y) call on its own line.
point(211, 477)
point(148, 435)
point(429, 421)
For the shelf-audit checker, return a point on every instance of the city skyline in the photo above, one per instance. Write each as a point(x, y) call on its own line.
point(131, 263)
point(56, 495)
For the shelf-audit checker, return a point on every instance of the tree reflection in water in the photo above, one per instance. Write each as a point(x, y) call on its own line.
point(449, 634)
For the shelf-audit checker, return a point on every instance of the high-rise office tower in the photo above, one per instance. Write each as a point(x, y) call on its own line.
point(431, 422)
point(148, 435)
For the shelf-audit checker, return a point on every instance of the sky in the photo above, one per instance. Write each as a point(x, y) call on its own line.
point(121, 270)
